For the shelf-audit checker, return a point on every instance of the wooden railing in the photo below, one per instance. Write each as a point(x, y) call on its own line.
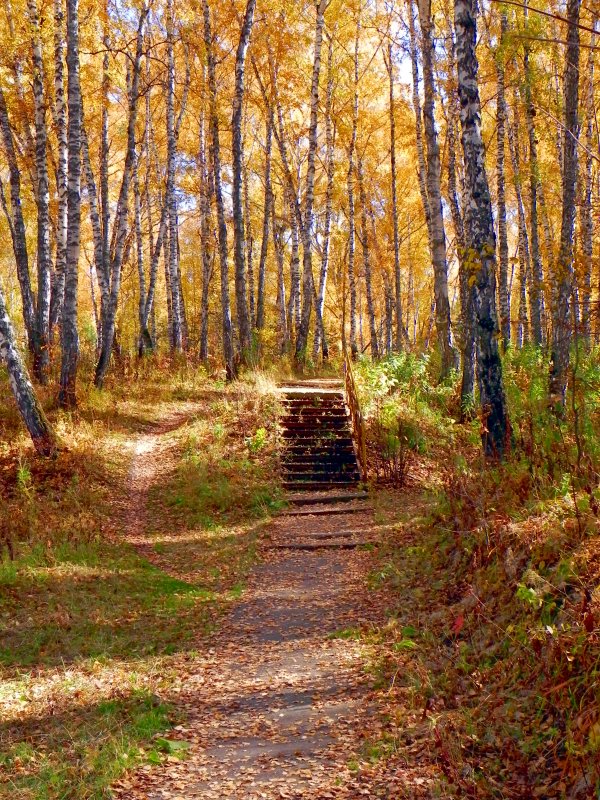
point(358, 422)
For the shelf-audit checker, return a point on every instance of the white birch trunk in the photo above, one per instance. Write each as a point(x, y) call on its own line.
point(561, 317)
point(69, 334)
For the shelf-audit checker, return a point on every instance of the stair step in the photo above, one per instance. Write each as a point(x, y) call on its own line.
point(313, 436)
point(335, 535)
point(332, 497)
point(320, 545)
point(319, 466)
point(305, 485)
point(322, 512)
point(295, 448)
point(300, 478)
point(318, 423)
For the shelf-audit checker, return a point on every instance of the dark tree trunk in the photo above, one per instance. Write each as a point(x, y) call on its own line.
point(480, 237)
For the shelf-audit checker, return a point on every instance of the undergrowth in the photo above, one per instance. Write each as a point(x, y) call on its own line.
point(94, 632)
point(490, 660)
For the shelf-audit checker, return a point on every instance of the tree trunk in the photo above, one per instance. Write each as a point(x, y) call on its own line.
point(206, 194)
point(264, 246)
point(480, 237)
point(139, 247)
point(228, 354)
point(394, 181)
point(239, 234)
point(104, 183)
point(60, 121)
point(284, 334)
point(20, 384)
point(17, 228)
point(249, 251)
point(561, 322)
point(120, 232)
point(351, 206)
point(176, 333)
point(536, 297)
point(307, 231)
point(67, 397)
point(367, 259)
point(434, 194)
point(587, 218)
point(320, 341)
point(467, 389)
point(524, 254)
point(41, 361)
point(294, 298)
point(501, 187)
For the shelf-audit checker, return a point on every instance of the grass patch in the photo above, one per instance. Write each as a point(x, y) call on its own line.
point(92, 635)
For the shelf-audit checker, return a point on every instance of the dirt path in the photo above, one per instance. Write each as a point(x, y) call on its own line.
point(152, 458)
point(275, 704)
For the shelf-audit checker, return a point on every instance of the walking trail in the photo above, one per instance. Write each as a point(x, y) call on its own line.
point(276, 703)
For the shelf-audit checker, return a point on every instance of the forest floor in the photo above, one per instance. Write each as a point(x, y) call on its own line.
point(154, 643)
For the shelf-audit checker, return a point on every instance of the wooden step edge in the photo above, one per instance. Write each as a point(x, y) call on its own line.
point(327, 498)
point(322, 512)
point(302, 546)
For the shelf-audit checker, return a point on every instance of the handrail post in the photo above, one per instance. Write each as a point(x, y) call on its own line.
point(358, 423)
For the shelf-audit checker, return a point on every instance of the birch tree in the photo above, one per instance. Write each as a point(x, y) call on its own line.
point(60, 122)
point(239, 230)
point(41, 360)
point(309, 196)
point(69, 333)
point(434, 195)
point(30, 410)
point(480, 237)
point(561, 322)
point(215, 147)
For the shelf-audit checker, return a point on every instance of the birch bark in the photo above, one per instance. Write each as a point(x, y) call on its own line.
point(17, 228)
point(480, 237)
point(367, 259)
point(67, 397)
point(320, 340)
point(239, 234)
point(41, 361)
point(307, 239)
point(264, 246)
point(176, 332)
point(20, 385)
point(587, 218)
point(434, 194)
point(561, 322)
point(394, 185)
point(121, 213)
point(215, 146)
point(536, 297)
point(60, 120)
point(351, 205)
point(504, 299)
